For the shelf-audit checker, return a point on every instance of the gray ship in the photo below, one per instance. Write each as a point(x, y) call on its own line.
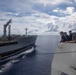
point(13, 44)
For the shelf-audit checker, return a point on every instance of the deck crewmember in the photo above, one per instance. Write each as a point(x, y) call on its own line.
point(70, 35)
point(63, 37)
point(66, 36)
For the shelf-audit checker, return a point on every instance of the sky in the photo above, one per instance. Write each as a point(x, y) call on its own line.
point(39, 16)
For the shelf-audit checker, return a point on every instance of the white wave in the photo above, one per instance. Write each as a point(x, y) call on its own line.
point(23, 57)
point(25, 52)
point(7, 66)
point(13, 60)
point(30, 50)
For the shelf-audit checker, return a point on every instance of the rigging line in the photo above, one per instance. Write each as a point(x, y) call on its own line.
point(57, 53)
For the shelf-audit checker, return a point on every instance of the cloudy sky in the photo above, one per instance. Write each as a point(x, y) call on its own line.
point(39, 16)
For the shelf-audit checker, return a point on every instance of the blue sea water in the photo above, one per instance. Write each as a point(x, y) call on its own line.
point(38, 63)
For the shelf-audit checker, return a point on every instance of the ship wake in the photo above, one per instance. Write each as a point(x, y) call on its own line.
point(8, 63)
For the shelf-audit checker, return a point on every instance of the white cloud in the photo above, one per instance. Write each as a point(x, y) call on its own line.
point(51, 2)
point(37, 21)
point(69, 10)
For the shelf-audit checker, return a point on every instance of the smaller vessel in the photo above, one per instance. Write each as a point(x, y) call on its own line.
point(13, 44)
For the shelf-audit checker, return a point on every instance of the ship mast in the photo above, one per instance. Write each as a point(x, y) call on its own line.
point(26, 31)
point(9, 31)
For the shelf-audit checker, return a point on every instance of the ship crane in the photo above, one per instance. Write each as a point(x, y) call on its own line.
point(5, 26)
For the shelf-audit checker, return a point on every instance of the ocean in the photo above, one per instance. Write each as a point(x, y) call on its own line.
point(38, 63)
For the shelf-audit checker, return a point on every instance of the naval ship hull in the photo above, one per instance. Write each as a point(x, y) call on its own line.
point(64, 60)
point(13, 47)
